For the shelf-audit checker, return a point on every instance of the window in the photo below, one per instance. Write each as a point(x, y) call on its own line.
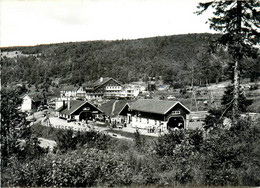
point(176, 112)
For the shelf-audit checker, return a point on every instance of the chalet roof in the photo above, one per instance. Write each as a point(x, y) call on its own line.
point(89, 85)
point(98, 83)
point(107, 107)
point(129, 103)
point(69, 88)
point(74, 105)
point(155, 106)
point(121, 104)
point(61, 108)
point(36, 96)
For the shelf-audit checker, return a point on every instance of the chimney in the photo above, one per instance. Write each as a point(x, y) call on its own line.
point(68, 103)
point(101, 79)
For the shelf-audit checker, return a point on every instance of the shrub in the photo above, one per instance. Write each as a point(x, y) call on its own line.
point(139, 140)
point(167, 142)
point(91, 167)
point(70, 140)
point(231, 155)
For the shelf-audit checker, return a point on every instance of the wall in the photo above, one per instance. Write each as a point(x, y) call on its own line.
point(67, 94)
point(27, 104)
point(183, 113)
point(58, 103)
point(144, 123)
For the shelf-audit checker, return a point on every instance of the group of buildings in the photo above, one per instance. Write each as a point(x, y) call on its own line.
point(77, 104)
point(102, 88)
point(150, 114)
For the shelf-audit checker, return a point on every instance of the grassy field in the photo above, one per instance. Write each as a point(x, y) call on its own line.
point(46, 132)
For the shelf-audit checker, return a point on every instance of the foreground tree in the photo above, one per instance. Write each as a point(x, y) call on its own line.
point(14, 125)
point(227, 98)
point(239, 21)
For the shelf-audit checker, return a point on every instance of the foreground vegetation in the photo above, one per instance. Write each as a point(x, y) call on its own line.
point(185, 157)
point(218, 156)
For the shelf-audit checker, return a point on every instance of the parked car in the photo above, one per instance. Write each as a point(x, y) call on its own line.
point(120, 126)
point(170, 97)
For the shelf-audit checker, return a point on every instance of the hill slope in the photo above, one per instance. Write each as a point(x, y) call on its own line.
point(175, 58)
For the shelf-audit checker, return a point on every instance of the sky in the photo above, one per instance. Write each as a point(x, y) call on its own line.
point(34, 22)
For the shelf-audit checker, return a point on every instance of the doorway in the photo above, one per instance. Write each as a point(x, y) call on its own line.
point(85, 116)
point(175, 122)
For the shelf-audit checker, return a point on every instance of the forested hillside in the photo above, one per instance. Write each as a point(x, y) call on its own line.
point(179, 59)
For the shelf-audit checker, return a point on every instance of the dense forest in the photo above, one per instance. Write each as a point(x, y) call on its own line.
point(180, 60)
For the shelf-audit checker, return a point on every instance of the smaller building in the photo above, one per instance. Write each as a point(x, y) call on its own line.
point(78, 110)
point(81, 93)
point(130, 91)
point(32, 101)
point(114, 111)
point(68, 92)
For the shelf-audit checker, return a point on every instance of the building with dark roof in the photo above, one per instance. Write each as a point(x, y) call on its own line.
point(160, 115)
point(32, 101)
point(78, 110)
point(102, 88)
point(116, 110)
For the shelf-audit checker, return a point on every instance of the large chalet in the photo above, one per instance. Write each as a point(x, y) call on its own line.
point(103, 88)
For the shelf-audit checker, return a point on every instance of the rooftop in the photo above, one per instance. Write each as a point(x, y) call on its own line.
point(155, 106)
point(107, 107)
point(99, 82)
point(69, 88)
point(36, 96)
point(74, 105)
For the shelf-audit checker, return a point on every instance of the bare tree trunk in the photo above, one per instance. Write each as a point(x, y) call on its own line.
point(235, 93)
point(192, 75)
point(235, 109)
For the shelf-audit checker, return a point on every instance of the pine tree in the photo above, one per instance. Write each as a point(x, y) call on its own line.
point(227, 98)
point(239, 22)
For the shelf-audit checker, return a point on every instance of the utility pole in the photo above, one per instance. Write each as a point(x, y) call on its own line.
point(193, 97)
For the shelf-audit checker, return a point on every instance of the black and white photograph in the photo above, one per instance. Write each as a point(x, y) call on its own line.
point(130, 93)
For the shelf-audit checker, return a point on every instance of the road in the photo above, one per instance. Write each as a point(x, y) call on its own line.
point(76, 126)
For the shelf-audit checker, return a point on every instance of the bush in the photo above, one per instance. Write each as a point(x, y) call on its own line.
point(139, 141)
point(91, 167)
point(184, 157)
point(231, 155)
point(70, 140)
point(167, 142)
